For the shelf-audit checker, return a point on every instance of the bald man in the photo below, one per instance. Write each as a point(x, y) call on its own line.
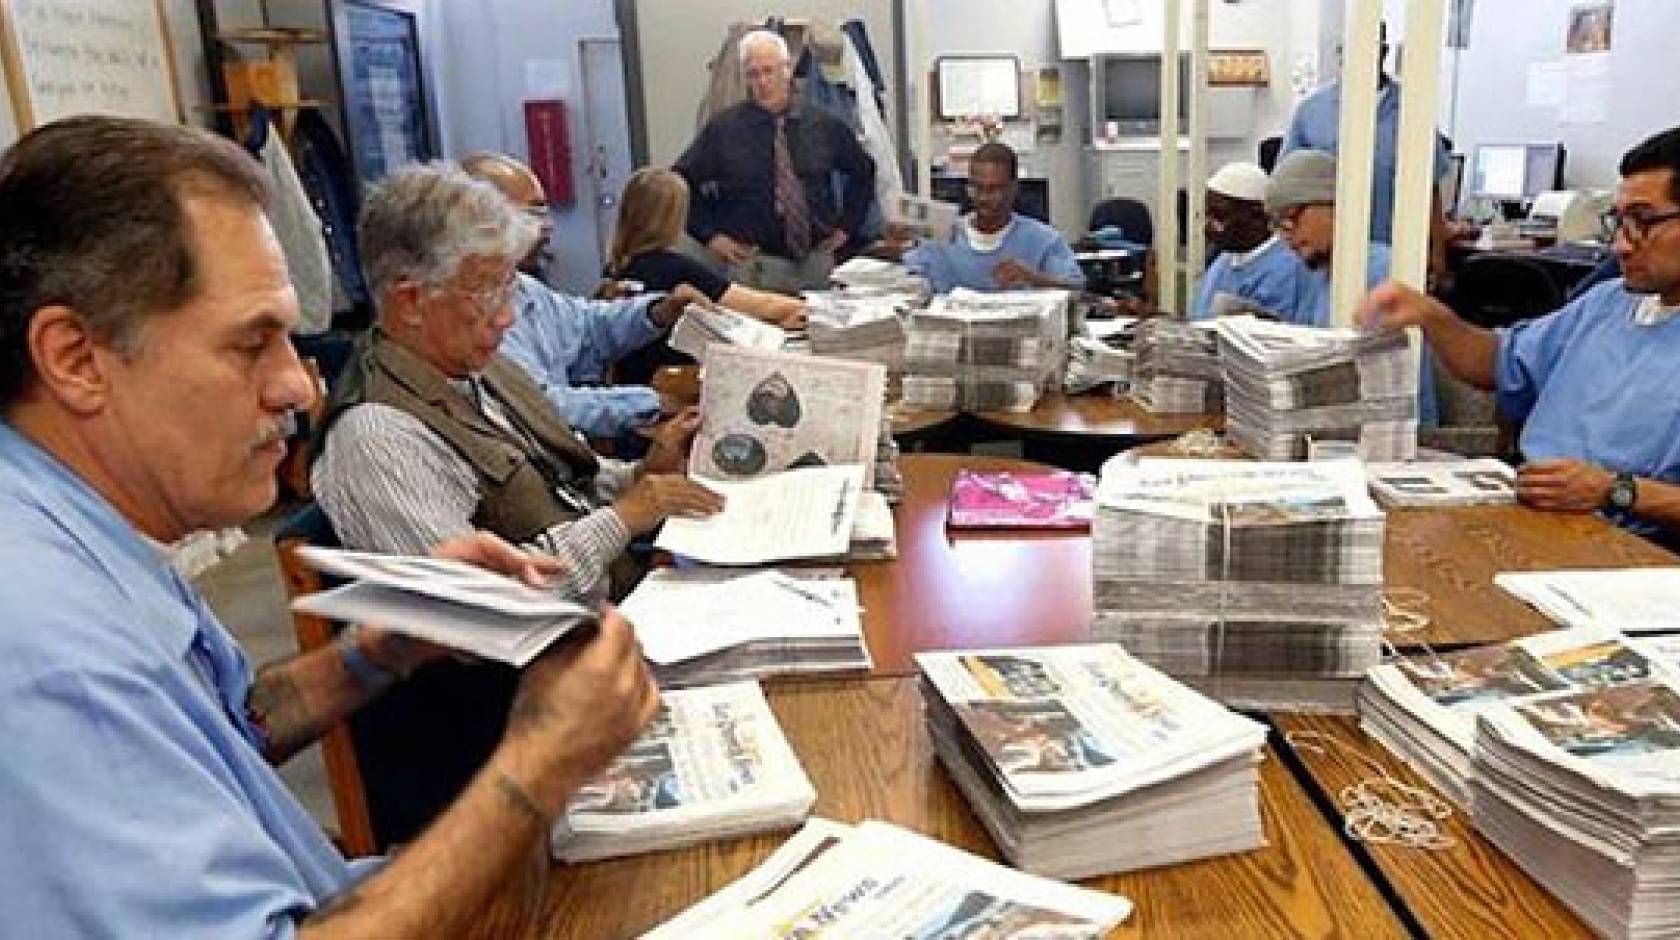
point(1255, 270)
point(568, 343)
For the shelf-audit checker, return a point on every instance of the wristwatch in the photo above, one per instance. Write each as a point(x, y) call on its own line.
point(1623, 491)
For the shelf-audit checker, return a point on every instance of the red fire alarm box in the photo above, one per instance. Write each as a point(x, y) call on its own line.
point(551, 149)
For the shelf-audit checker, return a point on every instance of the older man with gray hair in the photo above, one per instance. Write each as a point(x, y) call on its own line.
point(432, 433)
point(762, 177)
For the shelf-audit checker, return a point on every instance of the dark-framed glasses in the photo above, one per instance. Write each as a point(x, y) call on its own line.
point(1638, 224)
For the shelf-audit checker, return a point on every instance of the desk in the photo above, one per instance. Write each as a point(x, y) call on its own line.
point(971, 589)
point(866, 749)
point(1470, 890)
point(1453, 554)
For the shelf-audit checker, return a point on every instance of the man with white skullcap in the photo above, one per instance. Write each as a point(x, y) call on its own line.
point(1255, 271)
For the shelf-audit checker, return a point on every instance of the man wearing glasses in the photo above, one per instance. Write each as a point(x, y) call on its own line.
point(995, 247)
point(1595, 381)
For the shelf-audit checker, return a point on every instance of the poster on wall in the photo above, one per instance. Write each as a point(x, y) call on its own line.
point(68, 57)
point(387, 113)
point(1589, 28)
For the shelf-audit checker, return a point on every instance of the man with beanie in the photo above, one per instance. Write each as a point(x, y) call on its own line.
point(1255, 271)
point(1301, 200)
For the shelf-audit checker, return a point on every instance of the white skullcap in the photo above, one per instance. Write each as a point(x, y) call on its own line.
point(1244, 181)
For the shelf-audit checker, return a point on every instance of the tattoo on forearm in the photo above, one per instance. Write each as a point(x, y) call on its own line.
point(515, 794)
point(276, 706)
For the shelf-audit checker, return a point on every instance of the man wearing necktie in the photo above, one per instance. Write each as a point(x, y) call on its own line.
point(763, 174)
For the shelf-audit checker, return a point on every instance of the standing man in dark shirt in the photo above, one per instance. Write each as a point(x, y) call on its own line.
point(763, 177)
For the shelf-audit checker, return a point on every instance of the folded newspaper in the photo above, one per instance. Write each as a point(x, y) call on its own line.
point(697, 627)
point(449, 603)
point(1081, 760)
point(930, 219)
point(702, 326)
point(986, 351)
point(1425, 484)
point(1632, 600)
point(713, 764)
point(876, 880)
point(864, 327)
point(804, 513)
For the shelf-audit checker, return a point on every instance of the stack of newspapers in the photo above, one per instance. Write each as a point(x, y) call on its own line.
point(1635, 600)
point(985, 352)
point(1177, 369)
point(1258, 582)
point(1441, 484)
point(1287, 385)
point(702, 626)
point(867, 327)
point(1423, 706)
point(1080, 760)
point(701, 326)
point(889, 476)
point(1582, 789)
point(1093, 362)
point(713, 764)
point(877, 880)
point(868, 275)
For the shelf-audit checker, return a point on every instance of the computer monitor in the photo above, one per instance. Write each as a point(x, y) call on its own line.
point(971, 86)
point(1128, 91)
point(1515, 172)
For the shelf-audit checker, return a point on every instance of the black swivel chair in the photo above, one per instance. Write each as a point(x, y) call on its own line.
point(1130, 216)
point(1498, 290)
point(1269, 149)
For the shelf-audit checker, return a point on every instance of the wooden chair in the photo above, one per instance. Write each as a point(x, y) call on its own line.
point(309, 526)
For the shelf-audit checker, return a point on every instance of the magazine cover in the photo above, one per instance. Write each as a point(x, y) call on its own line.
point(1059, 500)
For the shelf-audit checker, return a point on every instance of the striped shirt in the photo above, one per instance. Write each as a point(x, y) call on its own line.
point(390, 484)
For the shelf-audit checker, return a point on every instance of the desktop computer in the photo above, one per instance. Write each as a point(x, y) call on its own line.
point(1512, 174)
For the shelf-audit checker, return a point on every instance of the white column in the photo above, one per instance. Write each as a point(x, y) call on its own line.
point(1166, 203)
point(919, 25)
point(1196, 167)
point(1356, 144)
point(1414, 186)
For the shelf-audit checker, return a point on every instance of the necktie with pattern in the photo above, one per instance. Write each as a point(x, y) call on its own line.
point(790, 198)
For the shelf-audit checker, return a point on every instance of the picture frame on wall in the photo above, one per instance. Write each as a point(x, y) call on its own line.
point(389, 115)
point(69, 57)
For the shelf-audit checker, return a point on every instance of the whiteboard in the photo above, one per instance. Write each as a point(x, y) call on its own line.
point(66, 57)
point(970, 86)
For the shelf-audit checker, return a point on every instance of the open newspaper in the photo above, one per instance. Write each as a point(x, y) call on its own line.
point(446, 602)
point(804, 513)
point(1631, 600)
point(1423, 707)
point(1484, 481)
point(764, 412)
point(701, 326)
point(931, 219)
point(713, 764)
point(876, 880)
point(696, 630)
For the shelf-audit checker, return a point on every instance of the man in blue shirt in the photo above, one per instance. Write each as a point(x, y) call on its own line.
point(1316, 125)
point(568, 343)
point(1256, 271)
point(1594, 382)
point(995, 247)
point(144, 309)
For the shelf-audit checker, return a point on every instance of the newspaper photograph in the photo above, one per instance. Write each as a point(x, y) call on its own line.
point(1228, 492)
point(1064, 726)
point(1634, 727)
point(764, 412)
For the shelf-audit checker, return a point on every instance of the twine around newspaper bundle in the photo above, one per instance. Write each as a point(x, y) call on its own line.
point(1382, 809)
point(1200, 442)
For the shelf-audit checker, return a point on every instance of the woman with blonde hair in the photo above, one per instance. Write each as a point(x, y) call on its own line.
point(651, 217)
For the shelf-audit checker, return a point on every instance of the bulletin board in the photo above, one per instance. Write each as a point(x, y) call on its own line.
point(65, 57)
point(388, 111)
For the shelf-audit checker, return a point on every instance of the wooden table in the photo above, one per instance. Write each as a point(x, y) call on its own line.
point(1470, 890)
point(1118, 421)
point(866, 749)
point(950, 590)
point(1453, 554)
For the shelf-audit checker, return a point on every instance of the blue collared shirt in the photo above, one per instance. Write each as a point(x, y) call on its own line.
point(1271, 277)
point(957, 263)
point(1317, 126)
point(566, 343)
point(134, 797)
point(1590, 383)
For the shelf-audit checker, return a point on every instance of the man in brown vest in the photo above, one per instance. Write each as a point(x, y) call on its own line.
point(433, 433)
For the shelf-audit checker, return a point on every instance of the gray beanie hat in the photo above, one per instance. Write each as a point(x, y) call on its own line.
point(1302, 178)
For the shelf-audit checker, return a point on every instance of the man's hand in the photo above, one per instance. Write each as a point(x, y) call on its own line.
point(671, 440)
point(795, 319)
point(1561, 485)
point(670, 307)
point(578, 706)
point(1392, 306)
point(656, 497)
point(1012, 273)
point(730, 250)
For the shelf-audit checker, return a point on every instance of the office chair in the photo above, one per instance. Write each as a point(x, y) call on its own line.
point(1269, 151)
point(1130, 216)
point(1498, 290)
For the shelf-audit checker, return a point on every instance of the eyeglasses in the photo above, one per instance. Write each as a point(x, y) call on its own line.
point(1637, 225)
point(1285, 221)
point(487, 303)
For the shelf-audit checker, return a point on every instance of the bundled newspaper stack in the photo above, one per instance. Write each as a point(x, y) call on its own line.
point(1423, 707)
point(1440, 484)
point(1177, 369)
point(877, 880)
point(1287, 385)
point(701, 626)
point(1635, 600)
point(1258, 582)
point(868, 275)
point(865, 326)
point(1080, 760)
point(1092, 362)
point(986, 352)
point(1582, 789)
point(700, 327)
point(888, 476)
point(713, 764)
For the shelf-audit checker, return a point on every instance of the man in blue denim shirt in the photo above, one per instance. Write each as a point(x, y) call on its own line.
point(144, 374)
